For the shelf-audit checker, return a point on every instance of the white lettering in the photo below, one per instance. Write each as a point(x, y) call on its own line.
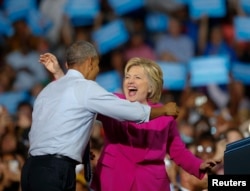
point(216, 182)
point(243, 183)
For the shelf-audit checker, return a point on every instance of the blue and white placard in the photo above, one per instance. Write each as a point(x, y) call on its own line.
point(209, 70)
point(110, 36)
point(174, 75)
point(210, 8)
point(111, 81)
point(122, 7)
point(242, 28)
point(241, 72)
point(11, 99)
point(17, 10)
point(38, 23)
point(82, 12)
point(156, 22)
point(245, 4)
point(183, 2)
point(5, 26)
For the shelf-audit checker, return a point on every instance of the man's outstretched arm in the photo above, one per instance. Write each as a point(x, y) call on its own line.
point(52, 65)
point(169, 109)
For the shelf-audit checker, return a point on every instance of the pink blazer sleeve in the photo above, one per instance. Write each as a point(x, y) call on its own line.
point(181, 155)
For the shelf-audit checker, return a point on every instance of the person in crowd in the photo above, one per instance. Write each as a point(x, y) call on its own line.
point(138, 47)
point(212, 43)
point(205, 148)
point(239, 102)
point(215, 43)
point(174, 46)
point(23, 124)
point(63, 116)
point(6, 121)
point(229, 136)
point(232, 135)
point(137, 151)
point(22, 56)
point(10, 169)
point(7, 77)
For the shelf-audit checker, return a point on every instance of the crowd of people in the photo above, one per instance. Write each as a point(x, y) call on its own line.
point(210, 116)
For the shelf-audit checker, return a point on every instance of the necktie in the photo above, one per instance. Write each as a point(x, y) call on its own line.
point(87, 164)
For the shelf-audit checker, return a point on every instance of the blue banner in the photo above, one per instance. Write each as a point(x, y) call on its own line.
point(110, 36)
point(174, 75)
point(5, 26)
point(122, 7)
point(111, 81)
point(38, 23)
point(241, 72)
point(245, 4)
point(210, 8)
point(156, 22)
point(242, 28)
point(17, 10)
point(81, 21)
point(11, 100)
point(209, 70)
point(184, 2)
point(82, 12)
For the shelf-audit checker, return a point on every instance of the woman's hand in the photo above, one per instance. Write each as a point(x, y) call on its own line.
point(208, 164)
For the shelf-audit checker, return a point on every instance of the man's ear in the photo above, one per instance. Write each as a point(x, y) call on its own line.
point(89, 63)
point(92, 61)
point(66, 65)
point(88, 66)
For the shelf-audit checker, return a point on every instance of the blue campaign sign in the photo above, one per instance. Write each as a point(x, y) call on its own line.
point(182, 1)
point(174, 75)
point(16, 10)
point(211, 8)
point(209, 70)
point(81, 21)
point(5, 26)
point(245, 4)
point(122, 7)
point(82, 12)
point(11, 100)
point(111, 81)
point(242, 28)
point(110, 36)
point(156, 22)
point(241, 72)
point(38, 23)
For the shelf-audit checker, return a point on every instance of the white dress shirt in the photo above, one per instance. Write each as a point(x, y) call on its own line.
point(65, 110)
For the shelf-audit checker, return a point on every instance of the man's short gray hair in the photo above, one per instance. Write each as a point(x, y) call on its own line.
point(79, 52)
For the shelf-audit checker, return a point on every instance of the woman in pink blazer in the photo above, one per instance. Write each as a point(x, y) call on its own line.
point(133, 154)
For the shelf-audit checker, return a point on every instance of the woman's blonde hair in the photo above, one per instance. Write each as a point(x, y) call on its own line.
point(154, 74)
